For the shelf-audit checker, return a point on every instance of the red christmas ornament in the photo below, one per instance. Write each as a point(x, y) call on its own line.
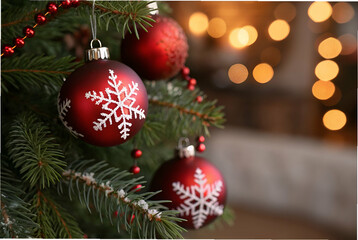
point(40, 19)
point(195, 187)
point(66, 4)
point(103, 102)
point(134, 169)
point(201, 147)
point(19, 42)
point(160, 53)
point(29, 31)
point(52, 7)
point(7, 51)
point(136, 153)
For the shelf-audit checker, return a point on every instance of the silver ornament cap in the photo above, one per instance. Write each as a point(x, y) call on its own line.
point(96, 53)
point(185, 151)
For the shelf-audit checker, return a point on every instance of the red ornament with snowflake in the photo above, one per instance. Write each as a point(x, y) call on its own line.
point(195, 187)
point(159, 53)
point(103, 102)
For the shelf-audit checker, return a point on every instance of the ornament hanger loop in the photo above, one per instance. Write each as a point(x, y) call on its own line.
point(93, 21)
point(180, 142)
point(93, 40)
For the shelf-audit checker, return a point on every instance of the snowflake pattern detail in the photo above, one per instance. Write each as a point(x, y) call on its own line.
point(201, 200)
point(63, 109)
point(123, 101)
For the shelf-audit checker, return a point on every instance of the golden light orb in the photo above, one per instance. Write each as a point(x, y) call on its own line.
point(323, 90)
point(326, 70)
point(279, 30)
point(217, 27)
point(330, 48)
point(198, 23)
point(342, 12)
point(238, 38)
point(238, 73)
point(334, 119)
point(252, 34)
point(263, 73)
point(319, 11)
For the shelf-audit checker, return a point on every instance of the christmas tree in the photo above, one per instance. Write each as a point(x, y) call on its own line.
point(54, 184)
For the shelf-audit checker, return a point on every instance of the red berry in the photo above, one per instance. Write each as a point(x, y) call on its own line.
point(136, 153)
point(199, 99)
point(134, 169)
point(7, 50)
point(52, 7)
point(185, 72)
point(201, 139)
point(40, 19)
point(191, 87)
point(85, 236)
point(192, 81)
point(200, 147)
point(75, 3)
point(66, 4)
point(29, 31)
point(19, 42)
point(138, 187)
point(115, 214)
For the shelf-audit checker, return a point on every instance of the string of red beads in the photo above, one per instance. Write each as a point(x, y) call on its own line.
point(136, 153)
point(185, 71)
point(40, 19)
point(201, 146)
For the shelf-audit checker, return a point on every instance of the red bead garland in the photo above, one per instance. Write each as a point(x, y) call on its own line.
point(137, 187)
point(201, 147)
point(199, 99)
point(40, 19)
point(201, 139)
point(136, 153)
point(134, 169)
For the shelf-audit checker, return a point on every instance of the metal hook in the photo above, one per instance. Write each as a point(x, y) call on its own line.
point(100, 44)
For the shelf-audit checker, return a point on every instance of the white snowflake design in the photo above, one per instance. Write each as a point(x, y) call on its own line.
point(197, 203)
point(123, 101)
point(62, 110)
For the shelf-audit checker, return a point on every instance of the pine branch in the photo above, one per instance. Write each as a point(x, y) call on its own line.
point(54, 221)
point(29, 71)
point(16, 219)
point(109, 189)
point(34, 151)
point(123, 15)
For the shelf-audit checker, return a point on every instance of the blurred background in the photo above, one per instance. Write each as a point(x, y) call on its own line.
point(286, 74)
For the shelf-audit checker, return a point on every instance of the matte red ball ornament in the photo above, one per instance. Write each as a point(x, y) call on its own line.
point(40, 19)
point(195, 187)
point(19, 42)
point(29, 31)
point(52, 7)
point(160, 53)
point(103, 102)
point(7, 51)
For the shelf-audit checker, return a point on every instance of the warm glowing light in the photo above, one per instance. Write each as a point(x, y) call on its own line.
point(330, 48)
point(263, 73)
point(323, 90)
point(234, 38)
point(334, 119)
point(252, 34)
point(271, 55)
point(217, 27)
point(349, 44)
point(279, 30)
point(326, 70)
point(342, 12)
point(198, 23)
point(285, 11)
point(320, 11)
point(243, 36)
point(238, 73)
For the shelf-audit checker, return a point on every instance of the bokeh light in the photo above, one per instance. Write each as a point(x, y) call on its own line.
point(326, 70)
point(334, 119)
point(320, 11)
point(323, 90)
point(252, 33)
point(198, 23)
point(238, 73)
point(279, 30)
point(349, 43)
point(271, 55)
point(330, 48)
point(217, 27)
point(263, 73)
point(238, 37)
point(342, 12)
point(285, 11)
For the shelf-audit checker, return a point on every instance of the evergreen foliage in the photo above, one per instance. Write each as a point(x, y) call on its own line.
point(39, 155)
